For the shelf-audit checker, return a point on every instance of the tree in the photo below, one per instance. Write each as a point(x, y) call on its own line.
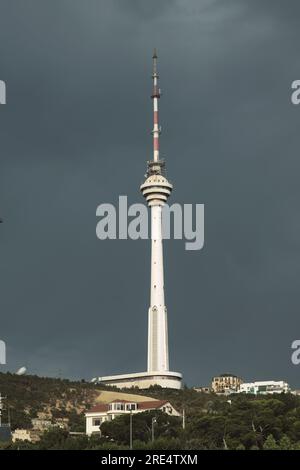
point(20, 420)
point(285, 443)
point(53, 439)
point(270, 443)
point(241, 447)
point(118, 429)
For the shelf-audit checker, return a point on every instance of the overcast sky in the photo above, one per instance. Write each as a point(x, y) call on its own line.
point(76, 133)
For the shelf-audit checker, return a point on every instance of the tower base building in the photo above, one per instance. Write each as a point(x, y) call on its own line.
point(143, 380)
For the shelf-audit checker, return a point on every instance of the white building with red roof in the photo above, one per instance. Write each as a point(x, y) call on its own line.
point(109, 411)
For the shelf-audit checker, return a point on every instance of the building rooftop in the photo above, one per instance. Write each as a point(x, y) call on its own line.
point(143, 405)
point(101, 407)
point(149, 405)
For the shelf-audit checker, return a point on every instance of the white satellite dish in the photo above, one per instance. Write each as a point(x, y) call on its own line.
point(21, 371)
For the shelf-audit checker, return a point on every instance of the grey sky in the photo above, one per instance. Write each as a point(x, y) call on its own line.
point(76, 132)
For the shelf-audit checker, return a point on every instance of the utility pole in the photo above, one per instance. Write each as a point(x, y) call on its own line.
point(1, 407)
point(154, 421)
point(8, 416)
point(183, 418)
point(130, 429)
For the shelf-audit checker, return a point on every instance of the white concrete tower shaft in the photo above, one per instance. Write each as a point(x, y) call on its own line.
point(156, 190)
point(158, 350)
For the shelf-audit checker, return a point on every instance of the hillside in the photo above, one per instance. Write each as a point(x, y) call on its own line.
point(53, 398)
point(212, 422)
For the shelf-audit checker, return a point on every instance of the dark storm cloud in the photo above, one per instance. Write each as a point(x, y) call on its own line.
point(145, 10)
point(75, 133)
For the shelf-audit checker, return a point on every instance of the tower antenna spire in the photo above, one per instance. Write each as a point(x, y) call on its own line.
point(155, 97)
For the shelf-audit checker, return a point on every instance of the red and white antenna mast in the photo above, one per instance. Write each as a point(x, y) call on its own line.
point(155, 97)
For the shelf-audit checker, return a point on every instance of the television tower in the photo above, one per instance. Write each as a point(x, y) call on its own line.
point(156, 189)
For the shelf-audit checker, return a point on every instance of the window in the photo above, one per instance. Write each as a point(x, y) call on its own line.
point(97, 421)
point(131, 407)
point(119, 406)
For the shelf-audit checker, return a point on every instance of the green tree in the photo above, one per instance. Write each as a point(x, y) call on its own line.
point(53, 439)
point(241, 447)
point(118, 429)
point(285, 443)
point(270, 443)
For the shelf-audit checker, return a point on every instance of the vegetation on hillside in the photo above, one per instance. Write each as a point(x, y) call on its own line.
point(212, 422)
point(55, 398)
